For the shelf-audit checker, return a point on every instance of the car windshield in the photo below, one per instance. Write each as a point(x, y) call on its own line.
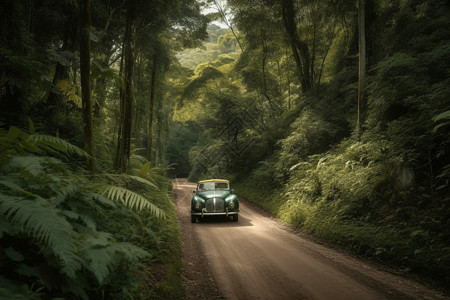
point(210, 186)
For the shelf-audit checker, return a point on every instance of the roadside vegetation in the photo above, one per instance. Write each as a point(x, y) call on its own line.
point(372, 178)
point(66, 233)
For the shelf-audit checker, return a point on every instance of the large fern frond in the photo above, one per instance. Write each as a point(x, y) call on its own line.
point(44, 224)
point(144, 181)
point(55, 144)
point(129, 198)
point(125, 177)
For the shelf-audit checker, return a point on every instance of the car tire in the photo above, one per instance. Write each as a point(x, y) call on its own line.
point(235, 218)
point(193, 219)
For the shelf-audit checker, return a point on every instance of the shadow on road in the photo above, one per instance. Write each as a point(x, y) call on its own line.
point(222, 221)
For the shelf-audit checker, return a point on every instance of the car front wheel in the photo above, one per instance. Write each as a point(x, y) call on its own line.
point(235, 218)
point(193, 219)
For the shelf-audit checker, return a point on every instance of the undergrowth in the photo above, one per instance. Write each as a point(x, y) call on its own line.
point(68, 234)
point(350, 196)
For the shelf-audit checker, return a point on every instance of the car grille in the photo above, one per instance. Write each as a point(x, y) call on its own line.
point(214, 205)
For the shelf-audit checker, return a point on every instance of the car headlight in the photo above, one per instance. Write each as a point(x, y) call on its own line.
point(197, 205)
point(231, 205)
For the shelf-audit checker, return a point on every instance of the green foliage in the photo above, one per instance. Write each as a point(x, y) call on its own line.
point(55, 232)
point(220, 41)
point(310, 134)
point(129, 198)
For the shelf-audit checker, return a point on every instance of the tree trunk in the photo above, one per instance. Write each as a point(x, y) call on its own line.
point(299, 49)
point(121, 110)
point(126, 121)
point(85, 70)
point(55, 100)
point(362, 60)
point(151, 108)
point(158, 137)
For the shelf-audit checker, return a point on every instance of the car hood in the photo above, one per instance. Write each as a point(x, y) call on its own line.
point(214, 194)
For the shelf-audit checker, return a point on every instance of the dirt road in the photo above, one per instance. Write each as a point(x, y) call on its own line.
point(258, 258)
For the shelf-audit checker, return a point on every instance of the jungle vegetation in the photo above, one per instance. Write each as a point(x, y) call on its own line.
point(332, 115)
point(85, 205)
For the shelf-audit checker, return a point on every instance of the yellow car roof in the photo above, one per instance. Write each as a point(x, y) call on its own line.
point(214, 180)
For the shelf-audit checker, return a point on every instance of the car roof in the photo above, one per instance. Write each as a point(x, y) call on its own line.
point(214, 180)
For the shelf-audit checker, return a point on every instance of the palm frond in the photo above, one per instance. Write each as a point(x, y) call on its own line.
point(129, 198)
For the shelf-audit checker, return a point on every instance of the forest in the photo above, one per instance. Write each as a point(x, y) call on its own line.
point(333, 116)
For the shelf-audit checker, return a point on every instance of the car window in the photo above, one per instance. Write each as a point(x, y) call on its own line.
point(209, 186)
point(221, 186)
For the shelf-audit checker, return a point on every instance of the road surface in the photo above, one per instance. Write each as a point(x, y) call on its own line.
point(259, 258)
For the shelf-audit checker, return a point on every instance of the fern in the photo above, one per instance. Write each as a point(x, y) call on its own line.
point(129, 198)
point(144, 170)
point(45, 206)
point(120, 178)
point(17, 141)
point(43, 224)
point(54, 144)
point(104, 256)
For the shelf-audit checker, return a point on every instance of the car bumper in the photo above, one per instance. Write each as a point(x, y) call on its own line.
point(204, 213)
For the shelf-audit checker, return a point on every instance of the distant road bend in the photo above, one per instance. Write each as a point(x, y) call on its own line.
point(256, 258)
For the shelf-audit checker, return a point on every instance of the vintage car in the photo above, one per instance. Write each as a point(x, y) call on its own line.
point(214, 197)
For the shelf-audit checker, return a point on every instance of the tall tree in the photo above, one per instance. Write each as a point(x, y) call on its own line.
point(127, 105)
point(362, 59)
point(299, 48)
point(85, 70)
point(151, 108)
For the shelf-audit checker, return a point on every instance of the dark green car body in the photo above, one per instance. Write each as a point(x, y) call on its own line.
point(214, 197)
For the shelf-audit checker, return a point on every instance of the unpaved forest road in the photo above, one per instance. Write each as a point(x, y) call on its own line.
point(256, 258)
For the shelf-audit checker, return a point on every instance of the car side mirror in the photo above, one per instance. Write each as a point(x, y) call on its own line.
point(193, 192)
point(232, 190)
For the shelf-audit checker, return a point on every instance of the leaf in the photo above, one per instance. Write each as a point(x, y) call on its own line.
point(436, 128)
point(379, 251)
point(143, 180)
point(441, 116)
point(16, 188)
point(144, 169)
point(13, 254)
point(303, 163)
point(129, 198)
point(417, 232)
point(54, 144)
point(418, 251)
